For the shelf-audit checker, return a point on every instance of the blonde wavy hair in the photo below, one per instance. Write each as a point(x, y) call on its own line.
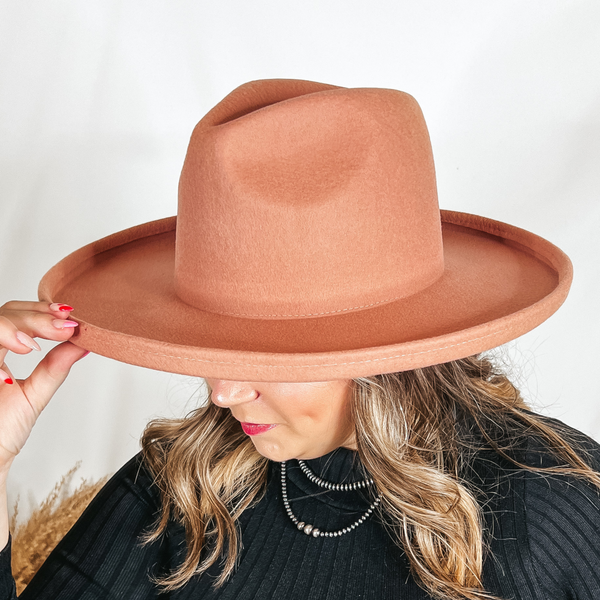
point(415, 433)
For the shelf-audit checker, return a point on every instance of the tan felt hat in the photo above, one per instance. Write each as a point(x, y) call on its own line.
point(308, 246)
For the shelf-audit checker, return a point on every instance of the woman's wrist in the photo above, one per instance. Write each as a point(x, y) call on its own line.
point(4, 470)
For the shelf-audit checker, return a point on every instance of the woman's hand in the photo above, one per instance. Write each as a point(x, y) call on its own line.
point(21, 401)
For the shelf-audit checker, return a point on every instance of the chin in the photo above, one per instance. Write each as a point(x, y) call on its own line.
point(272, 451)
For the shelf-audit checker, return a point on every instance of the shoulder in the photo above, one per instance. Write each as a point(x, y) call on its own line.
point(135, 482)
point(108, 535)
point(537, 453)
point(562, 516)
point(521, 453)
point(546, 525)
point(566, 497)
point(129, 494)
point(542, 491)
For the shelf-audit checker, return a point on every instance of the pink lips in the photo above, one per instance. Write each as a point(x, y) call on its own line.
point(255, 428)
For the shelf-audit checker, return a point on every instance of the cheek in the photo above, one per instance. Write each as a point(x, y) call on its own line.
point(326, 413)
point(306, 416)
point(310, 408)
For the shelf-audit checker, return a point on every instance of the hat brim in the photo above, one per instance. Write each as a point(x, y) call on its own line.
point(499, 282)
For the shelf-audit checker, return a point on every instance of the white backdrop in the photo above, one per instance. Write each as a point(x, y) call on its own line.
point(98, 99)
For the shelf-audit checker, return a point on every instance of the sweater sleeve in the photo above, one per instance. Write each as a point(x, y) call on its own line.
point(563, 528)
point(7, 583)
point(102, 556)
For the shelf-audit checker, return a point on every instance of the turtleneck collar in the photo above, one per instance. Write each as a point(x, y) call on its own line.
point(340, 466)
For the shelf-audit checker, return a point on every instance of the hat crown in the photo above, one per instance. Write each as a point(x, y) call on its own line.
point(300, 199)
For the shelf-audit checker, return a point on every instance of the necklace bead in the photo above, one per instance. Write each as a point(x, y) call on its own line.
point(310, 529)
point(344, 487)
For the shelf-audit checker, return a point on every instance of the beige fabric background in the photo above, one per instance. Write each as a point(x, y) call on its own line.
point(98, 99)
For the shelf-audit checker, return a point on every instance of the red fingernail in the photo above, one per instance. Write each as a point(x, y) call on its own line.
point(6, 377)
point(61, 307)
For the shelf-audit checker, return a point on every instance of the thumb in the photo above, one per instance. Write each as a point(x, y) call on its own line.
point(50, 373)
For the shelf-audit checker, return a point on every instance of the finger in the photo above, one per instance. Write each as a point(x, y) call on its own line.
point(26, 314)
point(47, 307)
point(50, 373)
point(18, 329)
point(13, 339)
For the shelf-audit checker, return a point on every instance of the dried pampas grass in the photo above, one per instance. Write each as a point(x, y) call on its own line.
point(33, 540)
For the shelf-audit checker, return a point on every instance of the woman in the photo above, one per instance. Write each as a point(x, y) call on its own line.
point(395, 461)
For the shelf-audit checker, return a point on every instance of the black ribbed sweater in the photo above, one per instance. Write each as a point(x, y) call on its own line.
point(543, 532)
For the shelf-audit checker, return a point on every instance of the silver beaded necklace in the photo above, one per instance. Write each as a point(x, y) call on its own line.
point(309, 529)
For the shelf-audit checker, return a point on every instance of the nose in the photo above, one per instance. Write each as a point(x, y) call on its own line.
point(230, 393)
